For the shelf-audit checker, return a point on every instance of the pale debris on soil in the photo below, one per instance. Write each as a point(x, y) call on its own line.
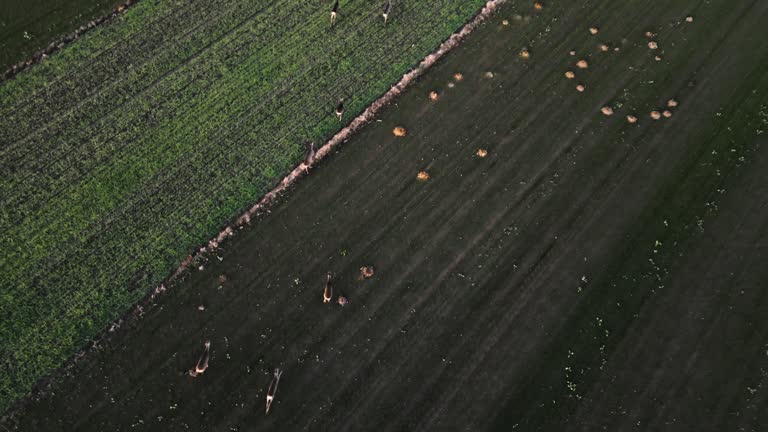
point(366, 272)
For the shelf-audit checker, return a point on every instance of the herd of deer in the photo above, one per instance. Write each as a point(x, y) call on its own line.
point(365, 272)
point(202, 362)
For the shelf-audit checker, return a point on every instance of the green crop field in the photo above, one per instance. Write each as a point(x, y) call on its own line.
point(138, 142)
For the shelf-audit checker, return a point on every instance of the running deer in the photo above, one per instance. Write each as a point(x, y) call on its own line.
point(387, 9)
point(328, 293)
point(334, 12)
point(273, 388)
point(202, 363)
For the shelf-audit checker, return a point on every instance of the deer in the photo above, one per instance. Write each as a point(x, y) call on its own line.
point(328, 293)
point(387, 9)
point(340, 109)
point(334, 12)
point(273, 388)
point(309, 158)
point(202, 363)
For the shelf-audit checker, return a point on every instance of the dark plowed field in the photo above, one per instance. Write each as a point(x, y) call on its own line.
point(588, 274)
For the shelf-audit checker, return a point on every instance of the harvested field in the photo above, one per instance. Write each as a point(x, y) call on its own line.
point(587, 274)
point(139, 141)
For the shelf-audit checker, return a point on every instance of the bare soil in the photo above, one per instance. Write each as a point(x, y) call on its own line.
point(587, 274)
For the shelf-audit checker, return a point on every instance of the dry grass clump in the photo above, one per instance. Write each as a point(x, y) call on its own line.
point(399, 131)
point(366, 272)
point(422, 175)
